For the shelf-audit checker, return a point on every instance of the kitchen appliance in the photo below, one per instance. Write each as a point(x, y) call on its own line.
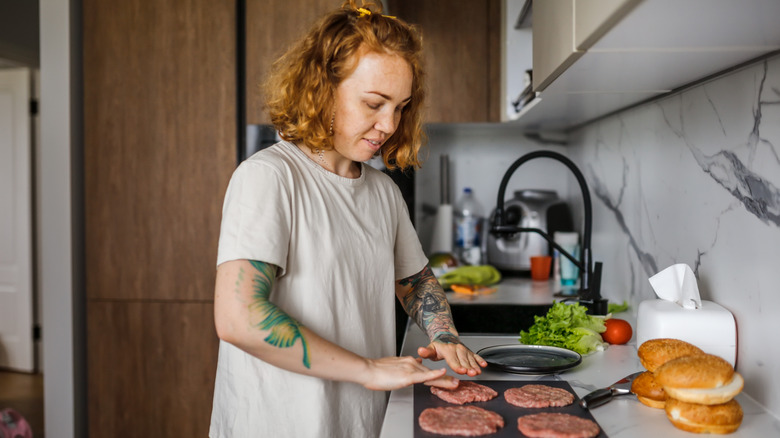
point(530, 208)
point(601, 396)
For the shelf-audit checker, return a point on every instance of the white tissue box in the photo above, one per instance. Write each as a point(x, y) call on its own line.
point(710, 327)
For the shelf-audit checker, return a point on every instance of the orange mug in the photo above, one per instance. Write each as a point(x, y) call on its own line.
point(540, 267)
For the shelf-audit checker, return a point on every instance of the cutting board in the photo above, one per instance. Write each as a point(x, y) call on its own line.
point(423, 399)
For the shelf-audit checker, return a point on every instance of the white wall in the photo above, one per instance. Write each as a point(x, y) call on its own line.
point(695, 178)
point(479, 155)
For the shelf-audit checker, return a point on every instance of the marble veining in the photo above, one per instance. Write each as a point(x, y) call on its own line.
point(695, 178)
point(759, 196)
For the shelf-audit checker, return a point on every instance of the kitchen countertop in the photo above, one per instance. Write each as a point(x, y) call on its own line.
point(515, 291)
point(623, 417)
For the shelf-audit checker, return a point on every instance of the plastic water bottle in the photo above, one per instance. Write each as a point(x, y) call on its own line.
point(468, 226)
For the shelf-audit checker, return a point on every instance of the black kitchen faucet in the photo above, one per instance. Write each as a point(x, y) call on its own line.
point(590, 273)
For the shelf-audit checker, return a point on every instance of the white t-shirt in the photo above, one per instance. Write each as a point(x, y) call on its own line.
point(341, 244)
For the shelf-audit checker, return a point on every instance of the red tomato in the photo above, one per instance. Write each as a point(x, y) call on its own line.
point(618, 331)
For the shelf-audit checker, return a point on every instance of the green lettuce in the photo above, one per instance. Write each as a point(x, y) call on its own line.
point(617, 308)
point(567, 326)
point(482, 275)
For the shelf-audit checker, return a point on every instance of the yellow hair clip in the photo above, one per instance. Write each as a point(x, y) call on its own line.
point(363, 12)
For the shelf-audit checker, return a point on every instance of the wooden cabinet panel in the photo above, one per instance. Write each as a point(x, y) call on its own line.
point(462, 51)
point(160, 144)
point(271, 26)
point(461, 40)
point(151, 368)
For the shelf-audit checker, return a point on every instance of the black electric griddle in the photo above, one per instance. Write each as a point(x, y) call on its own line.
point(423, 399)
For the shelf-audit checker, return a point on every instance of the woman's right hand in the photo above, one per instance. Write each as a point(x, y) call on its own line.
point(389, 373)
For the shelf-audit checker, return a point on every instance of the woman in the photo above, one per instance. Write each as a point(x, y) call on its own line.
point(314, 243)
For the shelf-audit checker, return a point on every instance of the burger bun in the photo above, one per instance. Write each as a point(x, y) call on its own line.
point(647, 391)
point(704, 379)
point(656, 352)
point(719, 419)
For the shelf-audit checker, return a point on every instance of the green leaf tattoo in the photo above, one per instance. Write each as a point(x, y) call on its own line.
point(284, 330)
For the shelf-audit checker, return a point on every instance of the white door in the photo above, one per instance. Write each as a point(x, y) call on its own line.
point(16, 286)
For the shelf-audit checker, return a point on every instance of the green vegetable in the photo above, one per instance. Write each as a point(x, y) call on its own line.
point(483, 275)
point(617, 308)
point(567, 326)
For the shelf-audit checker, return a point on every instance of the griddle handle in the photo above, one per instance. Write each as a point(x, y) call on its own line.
point(596, 398)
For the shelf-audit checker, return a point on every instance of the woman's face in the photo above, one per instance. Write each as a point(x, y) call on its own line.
point(368, 105)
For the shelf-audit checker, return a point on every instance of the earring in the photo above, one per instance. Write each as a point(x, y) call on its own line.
point(332, 119)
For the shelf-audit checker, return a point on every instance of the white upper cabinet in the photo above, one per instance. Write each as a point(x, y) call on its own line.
point(564, 29)
point(594, 57)
point(553, 40)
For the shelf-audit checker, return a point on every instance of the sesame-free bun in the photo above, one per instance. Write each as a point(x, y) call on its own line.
point(656, 352)
point(703, 378)
point(648, 391)
point(721, 418)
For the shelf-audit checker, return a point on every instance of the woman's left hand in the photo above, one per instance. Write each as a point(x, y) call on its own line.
point(458, 356)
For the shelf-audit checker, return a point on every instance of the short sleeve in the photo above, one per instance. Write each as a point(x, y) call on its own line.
point(409, 256)
point(256, 216)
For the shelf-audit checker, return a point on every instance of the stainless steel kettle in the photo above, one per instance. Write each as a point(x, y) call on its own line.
point(528, 208)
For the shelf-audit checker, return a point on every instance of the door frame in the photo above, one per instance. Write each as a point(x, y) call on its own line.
point(17, 351)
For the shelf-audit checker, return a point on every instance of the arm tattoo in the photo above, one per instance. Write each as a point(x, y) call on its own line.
point(284, 330)
point(426, 303)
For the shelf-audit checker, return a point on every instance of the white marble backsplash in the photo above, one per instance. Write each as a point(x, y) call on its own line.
point(695, 178)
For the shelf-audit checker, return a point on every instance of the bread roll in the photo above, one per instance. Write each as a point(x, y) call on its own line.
point(721, 418)
point(656, 352)
point(648, 391)
point(703, 378)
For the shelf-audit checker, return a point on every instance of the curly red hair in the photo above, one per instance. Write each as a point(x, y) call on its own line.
point(302, 83)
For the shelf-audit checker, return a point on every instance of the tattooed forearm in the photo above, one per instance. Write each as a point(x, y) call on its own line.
point(426, 303)
point(284, 331)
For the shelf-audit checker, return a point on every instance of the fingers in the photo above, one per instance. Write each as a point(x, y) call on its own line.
point(427, 352)
point(446, 382)
point(397, 372)
point(439, 376)
point(458, 357)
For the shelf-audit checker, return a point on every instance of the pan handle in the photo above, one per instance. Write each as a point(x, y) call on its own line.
point(596, 398)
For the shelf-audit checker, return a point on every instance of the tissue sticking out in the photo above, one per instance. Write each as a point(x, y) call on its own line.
point(679, 313)
point(677, 284)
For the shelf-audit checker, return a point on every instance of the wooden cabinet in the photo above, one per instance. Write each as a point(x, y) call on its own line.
point(151, 368)
point(159, 148)
point(271, 26)
point(461, 40)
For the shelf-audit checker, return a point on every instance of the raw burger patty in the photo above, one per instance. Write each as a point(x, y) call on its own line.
point(556, 426)
point(460, 421)
point(466, 392)
point(538, 396)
